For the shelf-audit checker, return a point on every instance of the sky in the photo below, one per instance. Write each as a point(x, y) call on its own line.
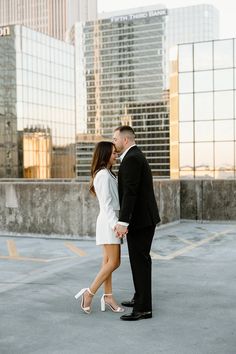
point(227, 10)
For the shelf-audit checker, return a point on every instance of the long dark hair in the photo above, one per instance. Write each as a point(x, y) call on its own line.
point(101, 157)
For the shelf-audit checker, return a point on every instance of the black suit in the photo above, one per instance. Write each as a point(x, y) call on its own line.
point(138, 208)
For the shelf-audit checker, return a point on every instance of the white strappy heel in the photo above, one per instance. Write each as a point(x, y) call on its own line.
point(104, 303)
point(81, 293)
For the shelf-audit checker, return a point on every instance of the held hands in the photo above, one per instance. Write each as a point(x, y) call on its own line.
point(120, 231)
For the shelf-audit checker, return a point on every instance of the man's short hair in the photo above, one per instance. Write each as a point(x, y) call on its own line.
point(126, 129)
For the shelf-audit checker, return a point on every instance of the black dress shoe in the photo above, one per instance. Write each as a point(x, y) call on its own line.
point(135, 316)
point(128, 303)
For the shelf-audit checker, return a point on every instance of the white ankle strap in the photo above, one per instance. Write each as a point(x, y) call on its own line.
point(107, 294)
point(90, 292)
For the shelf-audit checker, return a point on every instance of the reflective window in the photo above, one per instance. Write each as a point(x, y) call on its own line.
point(203, 81)
point(185, 174)
point(224, 155)
point(185, 82)
point(204, 174)
point(223, 79)
point(185, 58)
point(203, 56)
point(204, 131)
point(224, 104)
point(213, 120)
point(203, 106)
point(204, 159)
point(186, 132)
point(45, 108)
point(224, 130)
point(223, 54)
point(122, 82)
point(186, 156)
point(186, 107)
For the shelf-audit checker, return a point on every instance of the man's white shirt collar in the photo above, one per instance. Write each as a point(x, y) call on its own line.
point(125, 152)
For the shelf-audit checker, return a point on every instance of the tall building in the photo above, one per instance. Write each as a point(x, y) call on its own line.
point(52, 17)
point(183, 25)
point(202, 110)
point(82, 11)
point(37, 105)
point(122, 73)
point(119, 68)
point(41, 15)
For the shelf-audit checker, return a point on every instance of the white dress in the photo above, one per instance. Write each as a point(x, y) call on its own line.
point(106, 188)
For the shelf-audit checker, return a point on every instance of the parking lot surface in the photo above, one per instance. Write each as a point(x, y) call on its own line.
point(194, 292)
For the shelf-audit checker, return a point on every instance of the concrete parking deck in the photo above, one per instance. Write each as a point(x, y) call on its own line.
point(194, 292)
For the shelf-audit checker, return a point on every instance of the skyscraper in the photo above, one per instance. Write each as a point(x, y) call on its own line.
point(122, 73)
point(52, 17)
point(81, 10)
point(41, 15)
point(202, 110)
point(123, 58)
point(37, 106)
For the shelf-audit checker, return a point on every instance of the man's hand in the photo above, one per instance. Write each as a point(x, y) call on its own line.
point(120, 230)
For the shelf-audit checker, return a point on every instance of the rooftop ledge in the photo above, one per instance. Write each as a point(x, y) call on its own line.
point(65, 206)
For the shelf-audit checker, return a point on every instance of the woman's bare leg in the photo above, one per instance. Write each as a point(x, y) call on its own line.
point(111, 261)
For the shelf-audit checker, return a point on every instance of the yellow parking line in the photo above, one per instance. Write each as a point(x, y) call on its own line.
point(12, 248)
point(15, 258)
point(75, 249)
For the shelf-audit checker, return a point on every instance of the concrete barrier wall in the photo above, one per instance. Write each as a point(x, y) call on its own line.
point(66, 207)
point(208, 200)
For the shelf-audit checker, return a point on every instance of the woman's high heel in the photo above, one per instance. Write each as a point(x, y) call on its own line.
point(81, 293)
point(104, 303)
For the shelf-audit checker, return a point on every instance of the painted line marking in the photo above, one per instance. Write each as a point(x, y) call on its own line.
point(31, 259)
point(15, 256)
point(24, 259)
point(12, 250)
point(190, 247)
point(157, 256)
point(186, 241)
point(75, 249)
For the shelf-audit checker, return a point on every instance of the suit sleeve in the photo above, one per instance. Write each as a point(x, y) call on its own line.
point(131, 175)
point(103, 192)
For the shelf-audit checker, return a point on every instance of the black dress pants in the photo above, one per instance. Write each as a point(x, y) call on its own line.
point(139, 246)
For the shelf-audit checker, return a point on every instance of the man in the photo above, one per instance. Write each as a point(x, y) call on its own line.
point(138, 216)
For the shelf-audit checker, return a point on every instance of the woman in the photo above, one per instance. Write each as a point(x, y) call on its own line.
point(104, 186)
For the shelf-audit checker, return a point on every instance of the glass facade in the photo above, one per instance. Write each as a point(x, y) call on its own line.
point(119, 76)
point(53, 95)
point(122, 75)
point(206, 116)
point(44, 16)
point(52, 17)
point(37, 106)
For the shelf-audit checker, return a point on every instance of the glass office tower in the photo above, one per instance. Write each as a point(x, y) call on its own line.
point(37, 106)
point(190, 24)
point(122, 75)
point(203, 117)
point(119, 80)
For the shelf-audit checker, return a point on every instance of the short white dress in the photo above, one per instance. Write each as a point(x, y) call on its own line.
point(106, 188)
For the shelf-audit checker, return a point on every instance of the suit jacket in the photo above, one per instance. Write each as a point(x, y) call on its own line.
point(138, 205)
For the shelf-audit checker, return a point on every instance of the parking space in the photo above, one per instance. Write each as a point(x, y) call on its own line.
point(41, 251)
point(194, 292)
